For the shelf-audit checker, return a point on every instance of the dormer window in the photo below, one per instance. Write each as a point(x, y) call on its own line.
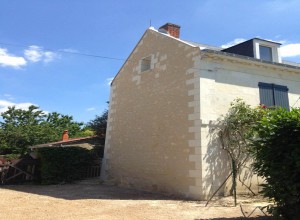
point(266, 50)
point(257, 48)
point(265, 53)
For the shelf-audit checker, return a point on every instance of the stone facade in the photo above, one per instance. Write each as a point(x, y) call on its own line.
point(159, 134)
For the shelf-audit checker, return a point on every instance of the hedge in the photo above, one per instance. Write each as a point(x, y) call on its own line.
point(63, 164)
point(276, 150)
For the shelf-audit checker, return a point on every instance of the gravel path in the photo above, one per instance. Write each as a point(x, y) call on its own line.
point(92, 200)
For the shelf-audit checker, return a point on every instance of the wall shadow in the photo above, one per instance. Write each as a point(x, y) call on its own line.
point(218, 162)
point(219, 167)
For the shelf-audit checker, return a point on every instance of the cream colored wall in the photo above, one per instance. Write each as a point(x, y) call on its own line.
point(161, 121)
point(221, 81)
point(148, 138)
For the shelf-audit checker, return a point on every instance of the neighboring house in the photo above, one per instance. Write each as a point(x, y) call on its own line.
point(94, 143)
point(164, 102)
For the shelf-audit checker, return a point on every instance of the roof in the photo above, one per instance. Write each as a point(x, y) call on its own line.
point(219, 50)
point(270, 41)
point(284, 64)
point(69, 141)
point(204, 46)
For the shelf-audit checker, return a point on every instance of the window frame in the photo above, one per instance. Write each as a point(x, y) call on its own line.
point(270, 50)
point(146, 66)
point(273, 95)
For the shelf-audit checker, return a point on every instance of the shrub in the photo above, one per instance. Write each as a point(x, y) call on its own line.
point(276, 150)
point(63, 164)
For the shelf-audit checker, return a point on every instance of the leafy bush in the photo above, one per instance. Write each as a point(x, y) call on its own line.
point(63, 164)
point(11, 156)
point(276, 150)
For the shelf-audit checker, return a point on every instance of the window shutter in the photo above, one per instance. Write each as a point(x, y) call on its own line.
point(281, 96)
point(266, 94)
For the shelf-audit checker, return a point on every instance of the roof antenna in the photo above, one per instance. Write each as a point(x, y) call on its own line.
point(150, 23)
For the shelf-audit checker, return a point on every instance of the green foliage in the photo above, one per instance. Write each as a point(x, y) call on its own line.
point(60, 164)
point(233, 129)
point(276, 149)
point(99, 123)
point(22, 128)
point(10, 156)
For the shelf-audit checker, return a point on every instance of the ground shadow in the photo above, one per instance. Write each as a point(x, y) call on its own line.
point(240, 218)
point(90, 189)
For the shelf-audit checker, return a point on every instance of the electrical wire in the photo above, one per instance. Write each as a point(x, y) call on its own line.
point(123, 59)
point(68, 52)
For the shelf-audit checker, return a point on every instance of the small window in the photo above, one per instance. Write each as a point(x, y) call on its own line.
point(273, 95)
point(146, 64)
point(265, 53)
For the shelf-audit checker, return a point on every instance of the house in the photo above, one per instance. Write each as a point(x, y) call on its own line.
point(164, 102)
point(95, 143)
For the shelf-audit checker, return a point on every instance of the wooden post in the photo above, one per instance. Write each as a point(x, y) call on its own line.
point(234, 172)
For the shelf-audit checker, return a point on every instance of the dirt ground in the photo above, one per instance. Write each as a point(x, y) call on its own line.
point(92, 200)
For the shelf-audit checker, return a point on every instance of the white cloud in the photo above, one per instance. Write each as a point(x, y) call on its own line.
point(4, 104)
point(91, 109)
point(109, 80)
point(49, 56)
point(234, 42)
point(290, 50)
point(32, 54)
point(69, 50)
point(7, 59)
point(8, 96)
point(35, 54)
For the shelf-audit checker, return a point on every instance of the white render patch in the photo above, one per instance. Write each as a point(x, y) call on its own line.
point(163, 57)
point(155, 62)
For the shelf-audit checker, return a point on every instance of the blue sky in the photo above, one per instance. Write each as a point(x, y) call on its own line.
point(40, 42)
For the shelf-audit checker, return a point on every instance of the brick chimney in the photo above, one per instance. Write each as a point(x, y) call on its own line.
point(65, 135)
point(172, 29)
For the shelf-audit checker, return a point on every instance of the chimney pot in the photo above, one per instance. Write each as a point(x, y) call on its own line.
point(172, 29)
point(65, 135)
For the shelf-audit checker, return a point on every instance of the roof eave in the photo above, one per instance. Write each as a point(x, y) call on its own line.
point(251, 59)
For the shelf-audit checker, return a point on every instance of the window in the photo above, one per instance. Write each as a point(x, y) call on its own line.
point(265, 53)
point(146, 63)
point(273, 95)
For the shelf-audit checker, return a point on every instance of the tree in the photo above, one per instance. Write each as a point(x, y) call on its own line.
point(56, 123)
point(99, 123)
point(22, 128)
point(234, 130)
point(276, 149)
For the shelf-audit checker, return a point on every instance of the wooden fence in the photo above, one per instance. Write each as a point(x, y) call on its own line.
point(27, 170)
point(92, 171)
point(18, 171)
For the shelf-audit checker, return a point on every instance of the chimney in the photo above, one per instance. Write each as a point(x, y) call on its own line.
point(172, 29)
point(65, 135)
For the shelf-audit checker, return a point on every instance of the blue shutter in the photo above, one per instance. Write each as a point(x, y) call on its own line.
point(281, 96)
point(266, 94)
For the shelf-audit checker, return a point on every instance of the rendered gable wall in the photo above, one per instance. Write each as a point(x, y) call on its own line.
point(150, 142)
